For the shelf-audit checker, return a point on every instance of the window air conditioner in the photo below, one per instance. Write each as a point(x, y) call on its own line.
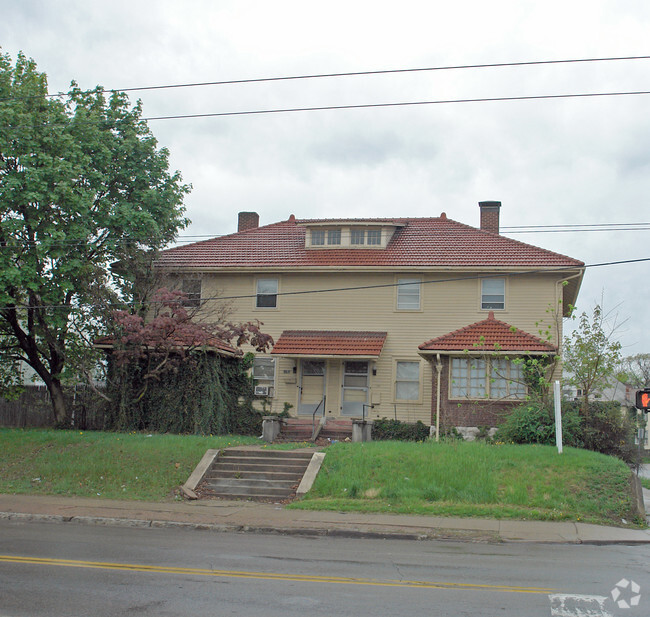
point(262, 390)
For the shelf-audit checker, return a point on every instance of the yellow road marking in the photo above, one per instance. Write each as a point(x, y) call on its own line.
point(301, 578)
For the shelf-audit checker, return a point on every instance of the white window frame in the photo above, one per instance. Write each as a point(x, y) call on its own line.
point(491, 290)
point(357, 236)
point(494, 379)
point(374, 237)
point(334, 237)
point(261, 377)
point(408, 289)
point(407, 380)
point(260, 293)
point(318, 237)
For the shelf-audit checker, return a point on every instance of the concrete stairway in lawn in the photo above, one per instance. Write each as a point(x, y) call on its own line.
point(301, 429)
point(257, 474)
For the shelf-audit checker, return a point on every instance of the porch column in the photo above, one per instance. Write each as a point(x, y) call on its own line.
point(361, 430)
point(270, 428)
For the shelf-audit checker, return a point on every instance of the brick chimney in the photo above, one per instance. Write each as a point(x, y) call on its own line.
point(248, 220)
point(490, 215)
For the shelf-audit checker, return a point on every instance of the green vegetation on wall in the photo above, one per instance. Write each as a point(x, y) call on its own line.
point(206, 394)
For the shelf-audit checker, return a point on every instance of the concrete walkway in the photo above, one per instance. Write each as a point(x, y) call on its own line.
point(255, 517)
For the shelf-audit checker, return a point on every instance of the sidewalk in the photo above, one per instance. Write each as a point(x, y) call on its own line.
point(255, 517)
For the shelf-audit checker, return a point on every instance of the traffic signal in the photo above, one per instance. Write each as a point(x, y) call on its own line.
point(643, 399)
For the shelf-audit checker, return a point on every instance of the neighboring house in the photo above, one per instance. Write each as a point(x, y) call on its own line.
point(616, 390)
point(385, 317)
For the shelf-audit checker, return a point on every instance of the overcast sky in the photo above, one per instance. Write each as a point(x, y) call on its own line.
point(550, 162)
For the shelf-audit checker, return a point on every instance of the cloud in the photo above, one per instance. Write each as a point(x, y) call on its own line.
point(549, 162)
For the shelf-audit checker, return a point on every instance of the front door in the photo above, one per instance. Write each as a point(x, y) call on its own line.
point(312, 386)
point(355, 388)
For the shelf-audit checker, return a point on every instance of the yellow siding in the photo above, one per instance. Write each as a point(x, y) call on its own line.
point(446, 305)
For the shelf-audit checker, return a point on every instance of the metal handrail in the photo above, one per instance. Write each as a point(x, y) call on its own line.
point(363, 411)
point(313, 416)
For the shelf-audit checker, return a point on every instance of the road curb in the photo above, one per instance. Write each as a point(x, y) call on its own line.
point(436, 534)
point(256, 529)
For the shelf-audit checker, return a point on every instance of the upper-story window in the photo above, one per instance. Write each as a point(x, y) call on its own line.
point(334, 236)
point(192, 290)
point(369, 237)
point(408, 294)
point(493, 294)
point(317, 237)
point(330, 234)
point(374, 236)
point(267, 293)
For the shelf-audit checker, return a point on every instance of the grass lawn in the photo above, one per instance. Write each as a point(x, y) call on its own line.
point(96, 464)
point(446, 479)
point(645, 483)
point(473, 479)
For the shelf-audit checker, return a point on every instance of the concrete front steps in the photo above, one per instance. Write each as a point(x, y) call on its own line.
point(301, 429)
point(239, 473)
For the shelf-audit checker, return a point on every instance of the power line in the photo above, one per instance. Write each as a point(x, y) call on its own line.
point(514, 229)
point(348, 74)
point(601, 229)
point(183, 239)
point(253, 112)
point(434, 281)
point(495, 99)
point(364, 287)
point(570, 225)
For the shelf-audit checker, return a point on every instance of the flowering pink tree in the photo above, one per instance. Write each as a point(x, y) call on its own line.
point(161, 344)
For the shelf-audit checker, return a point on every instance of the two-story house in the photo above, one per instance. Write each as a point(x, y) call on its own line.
point(407, 318)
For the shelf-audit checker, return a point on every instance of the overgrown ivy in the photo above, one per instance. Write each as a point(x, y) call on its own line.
point(205, 394)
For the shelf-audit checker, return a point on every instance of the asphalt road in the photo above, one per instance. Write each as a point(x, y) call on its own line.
point(55, 570)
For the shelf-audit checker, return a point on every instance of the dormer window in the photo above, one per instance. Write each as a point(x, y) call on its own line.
point(352, 234)
point(374, 236)
point(334, 236)
point(368, 237)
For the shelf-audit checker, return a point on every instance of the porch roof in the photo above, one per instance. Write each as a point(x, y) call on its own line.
point(328, 343)
point(489, 335)
point(215, 345)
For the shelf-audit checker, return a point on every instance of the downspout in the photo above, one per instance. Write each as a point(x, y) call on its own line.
point(439, 371)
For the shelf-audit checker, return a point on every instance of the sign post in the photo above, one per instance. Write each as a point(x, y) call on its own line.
point(558, 416)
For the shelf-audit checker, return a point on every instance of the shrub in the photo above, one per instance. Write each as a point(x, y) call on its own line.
point(605, 429)
point(534, 422)
point(403, 431)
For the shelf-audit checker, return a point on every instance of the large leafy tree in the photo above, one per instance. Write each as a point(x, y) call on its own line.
point(83, 185)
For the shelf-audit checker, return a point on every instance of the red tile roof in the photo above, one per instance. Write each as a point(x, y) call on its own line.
point(417, 242)
point(215, 345)
point(329, 343)
point(488, 335)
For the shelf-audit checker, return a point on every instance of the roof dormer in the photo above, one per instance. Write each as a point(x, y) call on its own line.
point(349, 234)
